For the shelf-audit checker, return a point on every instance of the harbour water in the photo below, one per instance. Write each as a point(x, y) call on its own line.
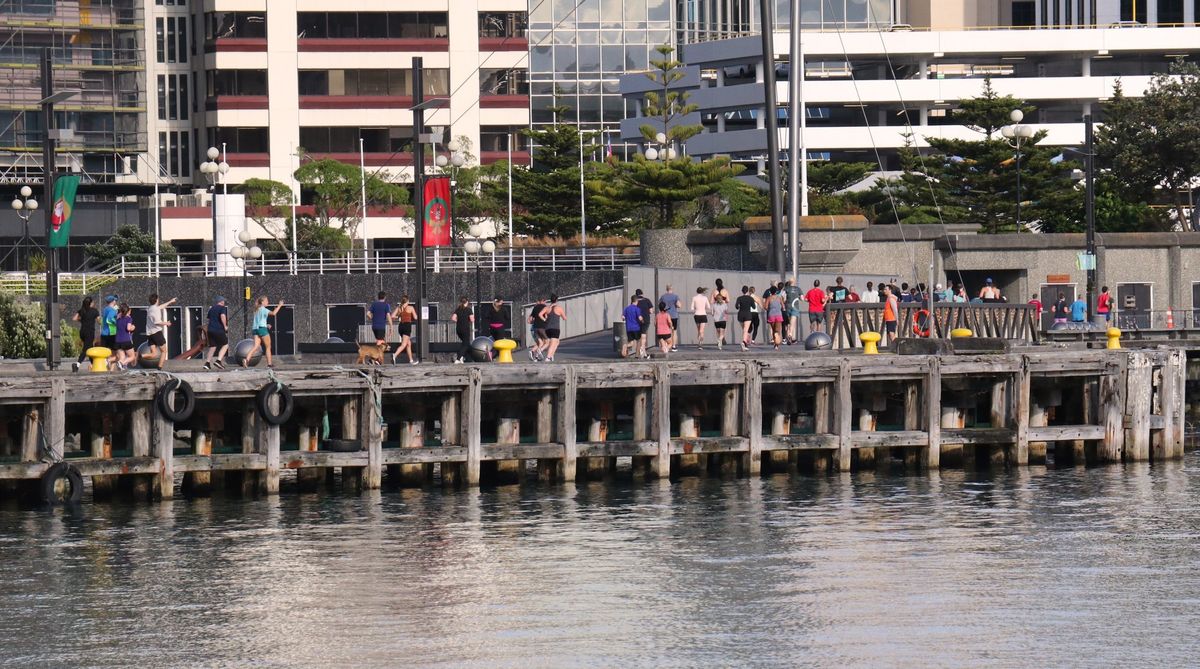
point(1034, 567)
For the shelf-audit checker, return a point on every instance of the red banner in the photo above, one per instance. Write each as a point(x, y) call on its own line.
point(437, 211)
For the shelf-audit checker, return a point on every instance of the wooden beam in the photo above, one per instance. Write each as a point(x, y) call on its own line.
point(1139, 391)
point(751, 423)
point(568, 400)
point(370, 430)
point(843, 421)
point(472, 416)
point(933, 414)
point(661, 421)
point(1020, 407)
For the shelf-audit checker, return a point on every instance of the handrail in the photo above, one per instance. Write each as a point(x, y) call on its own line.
point(1004, 321)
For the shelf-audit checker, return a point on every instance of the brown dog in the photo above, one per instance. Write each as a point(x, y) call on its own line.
point(371, 354)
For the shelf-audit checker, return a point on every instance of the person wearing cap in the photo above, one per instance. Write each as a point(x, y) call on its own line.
point(989, 292)
point(497, 317)
point(218, 335)
point(156, 325)
point(108, 323)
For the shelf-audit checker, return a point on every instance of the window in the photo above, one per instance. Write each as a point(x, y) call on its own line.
point(344, 139)
point(175, 153)
point(372, 25)
point(236, 82)
point(372, 82)
point(502, 24)
point(497, 138)
point(241, 140)
point(1170, 12)
point(1129, 7)
point(219, 25)
point(1024, 13)
point(171, 37)
point(171, 3)
point(173, 97)
point(503, 82)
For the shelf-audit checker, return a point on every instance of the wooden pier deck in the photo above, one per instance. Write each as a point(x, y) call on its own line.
point(466, 425)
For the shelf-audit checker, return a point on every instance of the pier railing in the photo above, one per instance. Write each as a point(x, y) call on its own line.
point(846, 321)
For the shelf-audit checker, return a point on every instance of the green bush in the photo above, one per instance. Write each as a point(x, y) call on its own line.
point(23, 334)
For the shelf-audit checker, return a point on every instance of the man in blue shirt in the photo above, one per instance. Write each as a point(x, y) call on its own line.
point(672, 301)
point(1078, 310)
point(108, 323)
point(218, 337)
point(632, 315)
point(381, 315)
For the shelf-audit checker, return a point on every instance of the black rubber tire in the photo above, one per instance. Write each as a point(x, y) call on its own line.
point(59, 475)
point(174, 412)
point(286, 404)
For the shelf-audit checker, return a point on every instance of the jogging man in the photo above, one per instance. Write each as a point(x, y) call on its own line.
point(156, 324)
point(218, 335)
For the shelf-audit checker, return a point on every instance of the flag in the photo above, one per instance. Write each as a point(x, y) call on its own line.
point(608, 148)
point(437, 218)
point(64, 207)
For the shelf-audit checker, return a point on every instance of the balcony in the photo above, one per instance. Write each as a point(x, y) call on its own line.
point(236, 45)
point(222, 102)
point(503, 43)
point(503, 101)
point(373, 45)
point(360, 101)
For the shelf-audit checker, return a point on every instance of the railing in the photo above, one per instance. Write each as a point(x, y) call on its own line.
point(376, 261)
point(1003, 321)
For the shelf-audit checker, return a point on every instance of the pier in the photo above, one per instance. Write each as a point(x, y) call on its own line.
point(466, 425)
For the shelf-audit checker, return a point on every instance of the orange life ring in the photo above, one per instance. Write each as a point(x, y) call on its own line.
point(916, 323)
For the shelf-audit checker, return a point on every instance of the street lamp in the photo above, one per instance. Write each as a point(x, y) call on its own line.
point(1016, 134)
point(454, 155)
point(666, 152)
point(213, 172)
point(478, 245)
point(25, 205)
point(247, 249)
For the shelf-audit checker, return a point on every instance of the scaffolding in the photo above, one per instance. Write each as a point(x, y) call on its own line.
point(96, 49)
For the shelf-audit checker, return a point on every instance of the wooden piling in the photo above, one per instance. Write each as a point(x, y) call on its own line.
point(933, 414)
point(1139, 382)
point(661, 419)
point(139, 447)
point(751, 418)
point(548, 469)
point(472, 414)
point(568, 396)
point(641, 429)
point(843, 421)
point(450, 424)
point(412, 435)
point(1037, 418)
point(1112, 404)
point(999, 419)
point(822, 419)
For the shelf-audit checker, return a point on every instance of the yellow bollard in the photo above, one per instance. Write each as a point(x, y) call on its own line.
point(961, 333)
point(99, 356)
point(505, 346)
point(1114, 338)
point(869, 341)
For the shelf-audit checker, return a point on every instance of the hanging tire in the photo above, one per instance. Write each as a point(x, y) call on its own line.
point(178, 410)
point(286, 404)
point(62, 484)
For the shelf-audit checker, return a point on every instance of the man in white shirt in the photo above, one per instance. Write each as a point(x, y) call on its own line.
point(156, 321)
point(870, 295)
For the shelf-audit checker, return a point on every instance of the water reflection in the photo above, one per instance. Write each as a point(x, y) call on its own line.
point(1032, 567)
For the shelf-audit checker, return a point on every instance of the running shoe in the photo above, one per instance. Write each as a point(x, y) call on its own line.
point(74, 367)
point(207, 366)
point(744, 347)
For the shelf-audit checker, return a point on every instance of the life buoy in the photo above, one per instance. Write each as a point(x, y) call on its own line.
point(286, 404)
point(173, 409)
point(62, 484)
point(920, 323)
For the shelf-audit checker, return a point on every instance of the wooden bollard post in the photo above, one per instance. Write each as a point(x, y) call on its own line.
point(163, 445)
point(727, 464)
point(247, 481)
point(1175, 403)
point(412, 435)
point(471, 417)
point(1022, 387)
point(548, 469)
point(453, 473)
point(267, 444)
point(370, 433)
point(1112, 414)
point(751, 417)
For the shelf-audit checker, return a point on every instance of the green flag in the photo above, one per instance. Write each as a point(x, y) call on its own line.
point(64, 208)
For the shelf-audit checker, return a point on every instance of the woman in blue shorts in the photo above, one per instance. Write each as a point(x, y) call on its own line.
point(261, 331)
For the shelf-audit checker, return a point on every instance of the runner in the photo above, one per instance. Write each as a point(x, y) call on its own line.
point(123, 339)
point(381, 316)
point(497, 317)
point(755, 318)
point(891, 307)
point(407, 315)
point(719, 290)
point(1061, 310)
point(1079, 310)
point(537, 319)
point(663, 327)
point(816, 299)
point(1104, 304)
point(647, 308)
point(262, 331)
point(700, 311)
point(218, 335)
point(791, 298)
point(670, 299)
point(156, 323)
point(774, 311)
point(108, 327)
point(464, 321)
point(745, 309)
point(838, 293)
point(86, 317)
point(720, 307)
point(555, 317)
point(989, 292)
point(1037, 307)
point(632, 315)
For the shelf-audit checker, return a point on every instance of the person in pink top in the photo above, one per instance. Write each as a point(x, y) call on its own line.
point(663, 328)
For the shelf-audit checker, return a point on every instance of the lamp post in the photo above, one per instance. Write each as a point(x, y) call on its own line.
point(664, 151)
point(213, 172)
point(25, 205)
point(247, 249)
point(479, 246)
point(50, 137)
point(1016, 134)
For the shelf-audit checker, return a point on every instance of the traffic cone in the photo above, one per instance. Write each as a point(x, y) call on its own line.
point(1170, 319)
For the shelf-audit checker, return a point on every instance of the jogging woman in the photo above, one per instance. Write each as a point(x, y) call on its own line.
point(775, 318)
point(463, 319)
point(662, 328)
point(700, 309)
point(720, 307)
point(745, 310)
point(125, 354)
point(87, 316)
point(406, 315)
point(262, 332)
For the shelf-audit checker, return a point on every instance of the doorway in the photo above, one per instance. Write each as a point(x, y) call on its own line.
point(1049, 295)
point(1134, 301)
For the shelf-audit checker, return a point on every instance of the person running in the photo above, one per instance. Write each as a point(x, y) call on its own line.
point(1104, 304)
point(775, 318)
point(1061, 310)
point(838, 293)
point(381, 317)
point(663, 327)
point(156, 324)
point(407, 315)
point(719, 289)
point(464, 322)
point(218, 335)
point(745, 309)
point(632, 315)
point(123, 339)
point(1037, 308)
point(792, 297)
point(647, 308)
point(989, 292)
point(891, 307)
point(817, 299)
point(670, 299)
point(720, 308)
point(700, 311)
point(1079, 310)
point(87, 316)
point(108, 327)
point(537, 320)
point(261, 330)
point(755, 317)
point(496, 315)
point(555, 317)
